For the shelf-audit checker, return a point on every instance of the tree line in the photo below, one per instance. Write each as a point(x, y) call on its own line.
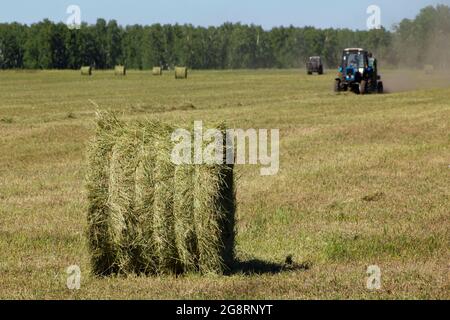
point(49, 45)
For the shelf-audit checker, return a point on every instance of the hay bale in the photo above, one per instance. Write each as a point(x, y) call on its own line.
point(86, 71)
point(214, 207)
point(120, 71)
point(122, 225)
point(181, 73)
point(164, 224)
point(148, 215)
point(184, 226)
point(146, 262)
point(157, 71)
point(103, 255)
point(429, 69)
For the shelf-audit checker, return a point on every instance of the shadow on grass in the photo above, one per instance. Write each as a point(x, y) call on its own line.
point(259, 267)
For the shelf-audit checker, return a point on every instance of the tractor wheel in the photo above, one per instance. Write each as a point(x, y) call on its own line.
point(380, 87)
point(337, 86)
point(320, 71)
point(363, 87)
point(310, 73)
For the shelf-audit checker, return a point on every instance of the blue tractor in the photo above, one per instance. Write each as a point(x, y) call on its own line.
point(358, 73)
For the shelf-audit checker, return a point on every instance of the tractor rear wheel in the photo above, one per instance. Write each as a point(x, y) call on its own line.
point(363, 87)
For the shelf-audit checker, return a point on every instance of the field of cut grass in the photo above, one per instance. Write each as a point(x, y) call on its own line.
point(364, 180)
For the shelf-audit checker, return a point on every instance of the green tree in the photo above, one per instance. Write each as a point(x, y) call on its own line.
point(114, 37)
point(12, 46)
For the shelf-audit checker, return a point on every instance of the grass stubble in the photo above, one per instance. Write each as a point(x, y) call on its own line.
point(363, 181)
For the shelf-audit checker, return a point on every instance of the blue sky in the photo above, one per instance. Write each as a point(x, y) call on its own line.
point(268, 13)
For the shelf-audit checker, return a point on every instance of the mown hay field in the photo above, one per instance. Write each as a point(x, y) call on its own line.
point(364, 180)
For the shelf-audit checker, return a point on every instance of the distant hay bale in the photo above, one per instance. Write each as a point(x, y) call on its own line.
point(149, 216)
point(157, 71)
point(181, 73)
point(429, 69)
point(120, 70)
point(86, 71)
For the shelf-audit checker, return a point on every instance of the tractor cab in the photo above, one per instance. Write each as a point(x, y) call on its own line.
point(358, 72)
point(354, 63)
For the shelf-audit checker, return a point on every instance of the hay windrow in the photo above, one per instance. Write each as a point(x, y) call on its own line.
point(147, 215)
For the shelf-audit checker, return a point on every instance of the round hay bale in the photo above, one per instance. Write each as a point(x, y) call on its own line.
point(103, 254)
point(214, 213)
point(214, 218)
point(143, 210)
point(86, 71)
point(181, 73)
point(150, 216)
point(429, 69)
point(123, 223)
point(183, 211)
point(120, 71)
point(164, 220)
point(157, 71)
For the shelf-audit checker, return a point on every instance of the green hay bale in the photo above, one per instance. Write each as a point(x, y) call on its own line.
point(181, 73)
point(157, 71)
point(120, 71)
point(86, 71)
point(149, 216)
point(122, 220)
point(103, 256)
point(164, 224)
point(183, 210)
point(214, 218)
point(146, 260)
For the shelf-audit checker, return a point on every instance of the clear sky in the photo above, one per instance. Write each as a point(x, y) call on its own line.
point(268, 13)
